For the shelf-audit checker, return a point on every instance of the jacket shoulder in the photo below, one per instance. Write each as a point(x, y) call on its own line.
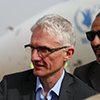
point(76, 88)
point(16, 78)
point(83, 68)
point(19, 74)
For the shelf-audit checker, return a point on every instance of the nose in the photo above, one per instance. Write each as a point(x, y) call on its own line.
point(96, 41)
point(35, 55)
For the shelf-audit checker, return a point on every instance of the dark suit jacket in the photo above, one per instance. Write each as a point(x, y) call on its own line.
point(21, 86)
point(90, 74)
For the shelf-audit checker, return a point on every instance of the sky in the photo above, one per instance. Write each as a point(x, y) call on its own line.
point(15, 12)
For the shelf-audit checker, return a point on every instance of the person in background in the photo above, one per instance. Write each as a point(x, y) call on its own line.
point(90, 73)
point(52, 44)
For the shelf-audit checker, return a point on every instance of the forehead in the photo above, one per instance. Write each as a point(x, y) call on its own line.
point(41, 36)
point(96, 24)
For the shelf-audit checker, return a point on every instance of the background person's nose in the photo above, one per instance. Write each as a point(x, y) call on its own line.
point(96, 40)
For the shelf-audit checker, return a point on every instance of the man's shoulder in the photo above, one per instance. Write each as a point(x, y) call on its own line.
point(76, 86)
point(75, 82)
point(15, 77)
point(18, 84)
point(85, 66)
point(26, 72)
point(82, 72)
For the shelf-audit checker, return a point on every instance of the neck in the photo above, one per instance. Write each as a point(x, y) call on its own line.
point(49, 82)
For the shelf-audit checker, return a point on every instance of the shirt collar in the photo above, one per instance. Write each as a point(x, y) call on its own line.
point(56, 88)
point(38, 85)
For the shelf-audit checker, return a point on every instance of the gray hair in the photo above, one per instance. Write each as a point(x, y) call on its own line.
point(58, 26)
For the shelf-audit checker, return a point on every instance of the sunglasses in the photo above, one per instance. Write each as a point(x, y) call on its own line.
point(91, 35)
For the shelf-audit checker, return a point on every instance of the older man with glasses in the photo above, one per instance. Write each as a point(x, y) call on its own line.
point(51, 45)
point(90, 73)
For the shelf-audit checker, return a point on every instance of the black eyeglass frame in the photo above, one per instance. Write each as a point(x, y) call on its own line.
point(91, 35)
point(50, 50)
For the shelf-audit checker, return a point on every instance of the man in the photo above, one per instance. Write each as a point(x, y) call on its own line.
point(90, 73)
point(51, 45)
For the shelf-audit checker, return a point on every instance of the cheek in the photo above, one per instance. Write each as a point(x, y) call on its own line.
point(56, 61)
point(59, 61)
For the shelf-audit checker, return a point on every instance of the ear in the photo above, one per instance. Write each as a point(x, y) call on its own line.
point(69, 53)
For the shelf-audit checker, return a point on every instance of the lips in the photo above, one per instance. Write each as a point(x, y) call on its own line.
point(98, 55)
point(38, 64)
point(96, 49)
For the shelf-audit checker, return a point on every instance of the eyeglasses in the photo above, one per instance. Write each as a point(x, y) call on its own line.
point(91, 35)
point(43, 51)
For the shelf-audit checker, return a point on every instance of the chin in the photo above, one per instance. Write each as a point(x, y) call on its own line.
point(38, 73)
point(98, 59)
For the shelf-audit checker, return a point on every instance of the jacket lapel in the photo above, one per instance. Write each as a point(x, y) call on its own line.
point(95, 76)
point(65, 92)
point(28, 88)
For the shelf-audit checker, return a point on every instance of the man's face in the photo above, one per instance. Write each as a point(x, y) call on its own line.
point(51, 63)
point(96, 42)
